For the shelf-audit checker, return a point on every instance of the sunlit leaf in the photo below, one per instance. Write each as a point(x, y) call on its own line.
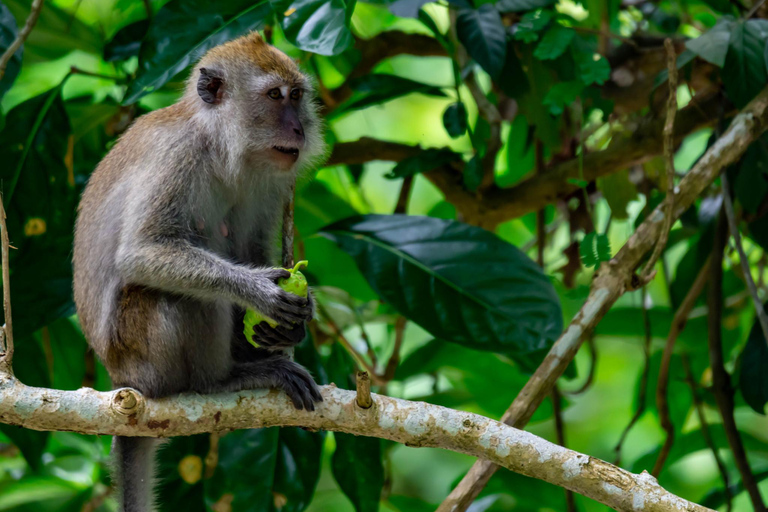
point(595, 249)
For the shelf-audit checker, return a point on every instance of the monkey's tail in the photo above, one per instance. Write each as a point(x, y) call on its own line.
point(134, 472)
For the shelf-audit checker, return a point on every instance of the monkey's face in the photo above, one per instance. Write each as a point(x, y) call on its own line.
point(261, 102)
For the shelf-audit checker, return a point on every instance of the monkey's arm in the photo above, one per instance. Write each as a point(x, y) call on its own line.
point(175, 265)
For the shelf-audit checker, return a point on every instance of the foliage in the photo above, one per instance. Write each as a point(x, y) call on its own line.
point(476, 99)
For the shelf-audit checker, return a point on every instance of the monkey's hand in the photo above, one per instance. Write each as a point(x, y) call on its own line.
point(279, 336)
point(272, 301)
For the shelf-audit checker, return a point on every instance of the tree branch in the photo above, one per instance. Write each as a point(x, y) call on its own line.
point(613, 279)
point(126, 412)
point(34, 13)
point(498, 205)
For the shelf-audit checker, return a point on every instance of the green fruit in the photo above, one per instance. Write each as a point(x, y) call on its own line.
point(296, 284)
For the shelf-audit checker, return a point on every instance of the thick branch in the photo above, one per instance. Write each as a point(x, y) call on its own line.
point(498, 205)
point(613, 280)
point(126, 412)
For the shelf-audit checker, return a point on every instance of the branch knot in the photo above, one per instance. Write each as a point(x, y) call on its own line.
point(127, 401)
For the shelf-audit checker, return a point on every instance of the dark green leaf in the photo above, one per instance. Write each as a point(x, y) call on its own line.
point(455, 119)
point(753, 380)
point(554, 43)
point(482, 33)
point(618, 192)
point(40, 201)
point(183, 30)
point(173, 488)
point(316, 206)
point(744, 73)
point(725, 7)
point(358, 469)
point(318, 26)
point(425, 161)
point(522, 5)
point(712, 45)
point(716, 498)
point(531, 24)
point(752, 180)
point(8, 32)
point(68, 347)
point(459, 282)
point(513, 79)
point(593, 69)
point(298, 467)
point(380, 87)
point(127, 41)
point(473, 173)
point(561, 95)
point(595, 249)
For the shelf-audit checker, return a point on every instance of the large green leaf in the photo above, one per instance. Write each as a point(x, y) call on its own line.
point(380, 87)
point(712, 45)
point(459, 282)
point(318, 26)
point(40, 201)
point(554, 43)
point(751, 183)
point(455, 119)
point(127, 42)
point(183, 30)
point(8, 32)
point(358, 469)
point(482, 33)
point(744, 73)
point(425, 161)
point(753, 380)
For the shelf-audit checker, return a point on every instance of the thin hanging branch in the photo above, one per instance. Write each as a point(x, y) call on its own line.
point(678, 324)
point(762, 317)
point(721, 380)
point(7, 357)
point(34, 13)
point(614, 279)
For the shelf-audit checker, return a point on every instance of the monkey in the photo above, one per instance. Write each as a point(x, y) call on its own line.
point(174, 238)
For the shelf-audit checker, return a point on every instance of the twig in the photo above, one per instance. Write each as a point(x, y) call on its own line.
point(669, 161)
point(347, 345)
point(363, 385)
point(557, 407)
point(754, 9)
point(613, 281)
point(762, 317)
point(405, 192)
point(643, 393)
point(678, 324)
point(7, 357)
point(394, 359)
point(34, 13)
point(721, 381)
point(592, 368)
point(704, 428)
point(148, 8)
point(541, 220)
point(78, 71)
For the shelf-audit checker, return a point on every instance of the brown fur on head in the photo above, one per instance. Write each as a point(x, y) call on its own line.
point(257, 103)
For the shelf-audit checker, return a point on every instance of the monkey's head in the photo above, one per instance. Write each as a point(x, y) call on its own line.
point(256, 101)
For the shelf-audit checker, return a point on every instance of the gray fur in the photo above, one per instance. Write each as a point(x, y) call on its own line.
point(174, 238)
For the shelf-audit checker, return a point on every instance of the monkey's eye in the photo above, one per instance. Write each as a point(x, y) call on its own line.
point(296, 94)
point(275, 94)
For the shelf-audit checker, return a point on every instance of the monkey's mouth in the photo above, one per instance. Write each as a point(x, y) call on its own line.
point(294, 152)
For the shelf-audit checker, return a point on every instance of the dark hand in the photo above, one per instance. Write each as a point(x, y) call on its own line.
point(279, 336)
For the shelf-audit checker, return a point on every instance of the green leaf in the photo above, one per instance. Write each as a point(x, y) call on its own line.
point(531, 24)
point(522, 5)
point(8, 33)
point(380, 87)
point(561, 95)
point(455, 119)
point(68, 347)
point(297, 469)
point(473, 173)
point(712, 45)
point(751, 184)
point(716, 498)
point(482, 33)
point(36, 490)
point(595, 249)
point(753, 379)
point(358, 469)
point(744, 72)
point(554, 43)
point(593, 69)
point(183, 30)
point(40, 200)
point(425, 161)
point(318, 26)
point(459, 282)
point(618, 191)
point(520, 153)
point(127, 42)
point(513, 79)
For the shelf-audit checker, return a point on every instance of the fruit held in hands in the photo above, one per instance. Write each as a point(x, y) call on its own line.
point(296, 284)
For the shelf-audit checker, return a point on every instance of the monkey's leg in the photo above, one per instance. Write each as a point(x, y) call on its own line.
point(274, 371)
point(134, 472)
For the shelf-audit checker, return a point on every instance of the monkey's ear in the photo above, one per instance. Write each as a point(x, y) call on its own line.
point(209, 86)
